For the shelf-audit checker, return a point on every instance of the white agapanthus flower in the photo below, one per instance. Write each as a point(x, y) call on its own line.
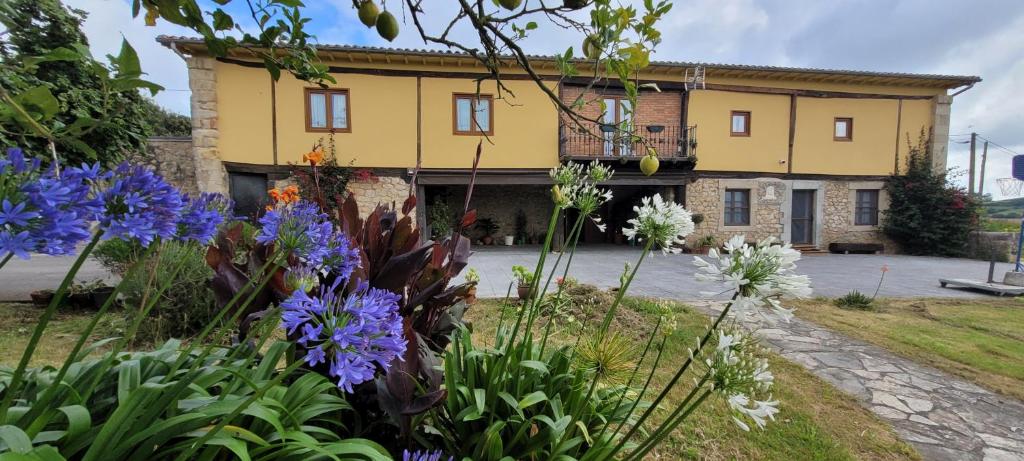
point(760, 275)
point(664, 223)
point(741, 377)
point(577, 187)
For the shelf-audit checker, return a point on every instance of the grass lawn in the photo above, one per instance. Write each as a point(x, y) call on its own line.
point(17, 321)
point(817, 421)
point(981, 340)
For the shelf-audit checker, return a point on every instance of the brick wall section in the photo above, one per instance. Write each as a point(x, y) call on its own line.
point(652, 108)
point(171, 157)
point(202, 80)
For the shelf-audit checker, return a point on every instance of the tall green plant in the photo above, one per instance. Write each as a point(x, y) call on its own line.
point(928, 214)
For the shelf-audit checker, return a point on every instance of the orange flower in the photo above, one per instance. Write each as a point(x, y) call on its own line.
point(290, 194)
point(313, 157)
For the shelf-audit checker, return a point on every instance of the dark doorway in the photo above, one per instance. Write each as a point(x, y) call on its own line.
point(803, 217)
point(249, 191)
point(616, 213)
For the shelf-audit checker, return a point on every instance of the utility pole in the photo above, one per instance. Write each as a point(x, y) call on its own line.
point(970, 170)
point(981, 183)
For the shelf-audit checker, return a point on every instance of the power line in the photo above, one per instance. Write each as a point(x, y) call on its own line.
point(998, 146)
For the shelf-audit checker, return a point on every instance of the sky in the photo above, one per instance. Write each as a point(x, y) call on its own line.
point(977, 37)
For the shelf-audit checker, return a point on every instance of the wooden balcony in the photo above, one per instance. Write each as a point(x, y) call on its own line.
point(595, 141)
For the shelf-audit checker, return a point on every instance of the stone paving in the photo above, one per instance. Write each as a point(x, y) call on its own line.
point(944, 417)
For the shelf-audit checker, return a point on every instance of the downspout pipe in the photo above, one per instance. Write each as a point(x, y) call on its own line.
point(969, 86)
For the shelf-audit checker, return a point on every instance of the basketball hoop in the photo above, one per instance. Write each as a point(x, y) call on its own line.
point(1010, 187)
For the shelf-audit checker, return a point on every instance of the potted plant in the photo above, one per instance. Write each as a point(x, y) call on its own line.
point(489, 227)
point(524, 279)
point(472, 278)
point(440, 218)
point(41, 298)
point(510, 240)
point(706, 243)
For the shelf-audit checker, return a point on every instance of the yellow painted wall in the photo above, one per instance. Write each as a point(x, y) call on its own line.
point(243, 114)
point(384, 124)
point(525, 127)
point(874, 136)
point(718, 150)
point(383, 121)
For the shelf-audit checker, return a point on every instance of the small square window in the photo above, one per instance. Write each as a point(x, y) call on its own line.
point(737, 207)
point(328, 110)
point(843, 130)
point(473, 114)
point(866, 209)
point(740, 123)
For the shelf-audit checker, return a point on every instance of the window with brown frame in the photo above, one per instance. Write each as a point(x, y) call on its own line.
point(472, 114)
point(739, 123)
point(328, 110)
point(843, 130)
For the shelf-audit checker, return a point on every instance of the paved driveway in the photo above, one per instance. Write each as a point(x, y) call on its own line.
point(672, 276)
point(661, 276)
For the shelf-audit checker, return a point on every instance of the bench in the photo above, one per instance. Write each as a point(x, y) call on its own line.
point(847, 248)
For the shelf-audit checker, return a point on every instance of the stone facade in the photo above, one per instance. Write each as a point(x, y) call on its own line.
point(171, 157)
point(383, 188)
point(202, 80)
point(771, 205)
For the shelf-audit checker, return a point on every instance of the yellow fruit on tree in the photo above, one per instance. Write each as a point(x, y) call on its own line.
point(649, 164)
point(387, 26)
point(510, 4)
point(368, 13)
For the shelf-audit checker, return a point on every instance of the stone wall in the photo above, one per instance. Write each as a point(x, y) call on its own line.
point(171, 157)
point(380, 188)
point(202, 80)
point(771, 206)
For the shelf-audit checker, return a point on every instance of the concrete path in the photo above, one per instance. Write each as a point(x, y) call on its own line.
point(672, 276)
point(944, 417)
point(19, 278)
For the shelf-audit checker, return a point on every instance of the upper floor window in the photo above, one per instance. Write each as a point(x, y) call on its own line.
point(843, 129)
point(740, 123)
point(328, 110)
point(737, 207)
point(866, 209)
point(473, 114)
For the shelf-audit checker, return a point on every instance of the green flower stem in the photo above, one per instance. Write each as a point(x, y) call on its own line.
point(655, 442)
point(3, 262)
point(540, 267)
point(622, 290)
point(574, 236)
point(185, 455)
point(667, 425)
point(44, 401)
point(58, 297)
point(643, 391)
point(686, 365)
point(145, 308)
point(633, 375)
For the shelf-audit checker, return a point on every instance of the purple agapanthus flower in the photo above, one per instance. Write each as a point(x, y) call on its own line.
point(139, 204)
point(354, 335)
point(42, 211)
point(202, 216)
point(424, 455)
point(300, 228)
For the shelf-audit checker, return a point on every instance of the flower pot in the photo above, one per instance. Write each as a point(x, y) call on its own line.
point(41, 298)
point(487, 240)
point(509, 240)
point(523, 291)
point(81, 300)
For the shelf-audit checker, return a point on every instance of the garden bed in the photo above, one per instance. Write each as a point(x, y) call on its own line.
point(817, 421)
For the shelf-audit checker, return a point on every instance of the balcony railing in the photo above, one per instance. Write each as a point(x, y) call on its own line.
point(598, 140)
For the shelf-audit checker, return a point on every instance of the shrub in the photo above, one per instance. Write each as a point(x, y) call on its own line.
point(855, 300)
point(928, 215)
point(117, 255)
point(185, 307)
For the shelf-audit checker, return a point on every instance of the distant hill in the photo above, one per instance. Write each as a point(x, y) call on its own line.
point(1009, 208)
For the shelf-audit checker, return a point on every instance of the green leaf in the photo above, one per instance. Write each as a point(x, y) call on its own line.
point(128, 61)
point(15, 439)
point(57, 54)
point(39, 100)
point(236, 446)
point(532, 399)
point(79, 420)
point(222, 20)
point(535, 365)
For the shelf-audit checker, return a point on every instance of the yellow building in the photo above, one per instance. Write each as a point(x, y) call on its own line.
point(799, 154)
